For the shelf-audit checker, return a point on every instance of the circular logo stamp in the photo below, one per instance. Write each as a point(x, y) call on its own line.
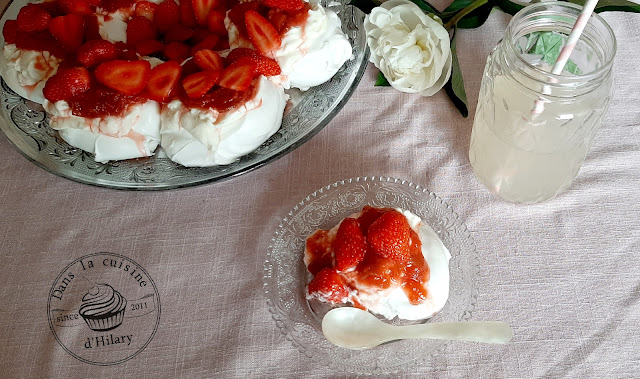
point(103, 309)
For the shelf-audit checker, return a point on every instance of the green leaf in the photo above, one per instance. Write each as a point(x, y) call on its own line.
point(426, 7)
point(364, 5)
point(455, 86)
point(612, 5)
point(548, 45)
point(381, 81)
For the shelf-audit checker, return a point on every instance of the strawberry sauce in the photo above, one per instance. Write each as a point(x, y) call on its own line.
point(375, 272)
point(102, 102)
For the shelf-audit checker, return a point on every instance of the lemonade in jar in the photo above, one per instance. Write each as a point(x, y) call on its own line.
point(528, 154)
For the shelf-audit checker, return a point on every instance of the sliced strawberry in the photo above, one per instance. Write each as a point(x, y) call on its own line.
point(178, 33)
point(177, 51)
point(223, 44)
point(128, 77)
point(75, 6)
point(208, 43)
point(208, 60)
point(162, 80)
point(199, 35)
point(10, 31)
point(328, 286)
point(53, 8)
point(96, 51)
point(196, 85)
point(68, 30)
point(167, 15)
point(33, 18)
point(189, 67)
point(145, 9)
point(349, 246)
point(92, 28)
point(265, 66)
point(215, 23)
point(201, 9)
point(262, 34)
point(94, 3)
point(149, 47)
point(66, 83)
point(389, 236)
point(187, 17)
point(238, 75)
point(139, 29)
point(237, 12)
point(287, 5)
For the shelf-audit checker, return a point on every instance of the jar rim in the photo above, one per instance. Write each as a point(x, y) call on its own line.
point(532, 8)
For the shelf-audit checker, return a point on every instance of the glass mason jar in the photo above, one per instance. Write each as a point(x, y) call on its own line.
point(529, 156)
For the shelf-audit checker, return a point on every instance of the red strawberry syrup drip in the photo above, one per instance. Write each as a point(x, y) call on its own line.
point(102, 102)
point(375, 271)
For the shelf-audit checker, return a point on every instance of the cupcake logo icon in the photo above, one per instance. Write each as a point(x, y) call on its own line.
point(104, 309)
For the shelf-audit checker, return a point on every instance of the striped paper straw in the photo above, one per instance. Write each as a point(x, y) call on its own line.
point(566, 51)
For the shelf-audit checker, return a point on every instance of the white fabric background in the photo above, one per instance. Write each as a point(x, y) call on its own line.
point(563, 273)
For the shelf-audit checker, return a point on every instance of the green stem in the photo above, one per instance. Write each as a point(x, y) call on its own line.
point(476, 4)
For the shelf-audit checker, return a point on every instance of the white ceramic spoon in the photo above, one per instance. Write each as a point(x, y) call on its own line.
point(353, 328)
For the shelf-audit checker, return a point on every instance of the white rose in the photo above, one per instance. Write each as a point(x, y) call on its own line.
point(410, 48)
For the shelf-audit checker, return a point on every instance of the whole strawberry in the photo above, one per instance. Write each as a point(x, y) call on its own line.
point(389, 236)
point(328, 286)
point(67, 83)
point(349, 245)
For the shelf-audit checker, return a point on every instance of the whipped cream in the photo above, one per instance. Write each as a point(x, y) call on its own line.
point(201, 138)
point(134, 135)
point(26, 71)
point(113, 26)
point(311, 54)
point(393, 302)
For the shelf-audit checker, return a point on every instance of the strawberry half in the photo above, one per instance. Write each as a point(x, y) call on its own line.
point(262, 33)
point(75, 6)
point(149, 47)
point(10, 31)
point(140, 29)
point(201, 9)
point(265, 66)
point(128, 77)
point(162, 80)
point(349, 246)
point(328, 286)
point(215, 23)
point(187, 17)
point(237, 12)
point(208, 60)
point(67, 83)
point(68, 30)
point(96, 51)
point(198, 84)
point(177, 51)
point(145, 9)
point(167, 14)
point(208, 43)
point(287, 5)
point(238, 75)
point(389, 236)
point(33, 18)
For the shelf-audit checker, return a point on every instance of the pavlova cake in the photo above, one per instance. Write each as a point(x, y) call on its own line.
point(203, 79)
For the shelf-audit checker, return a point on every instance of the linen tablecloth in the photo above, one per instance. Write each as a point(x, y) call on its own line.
point(564, 273)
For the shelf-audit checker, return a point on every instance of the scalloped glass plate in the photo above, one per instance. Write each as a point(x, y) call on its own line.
point(285, 275)
point(26, 125)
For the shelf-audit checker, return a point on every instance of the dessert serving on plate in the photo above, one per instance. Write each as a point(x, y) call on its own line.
point(204, 79)
point(383, 260)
